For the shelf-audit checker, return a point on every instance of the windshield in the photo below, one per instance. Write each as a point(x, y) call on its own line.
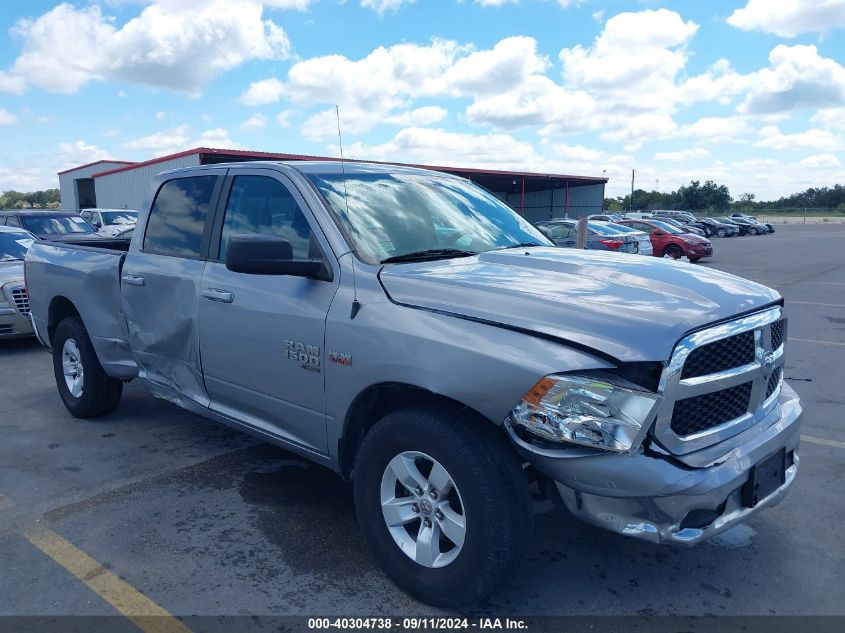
point(391, 215)
point(13, 246)
point(667, 227)
point(55, 224)
point(120, 217)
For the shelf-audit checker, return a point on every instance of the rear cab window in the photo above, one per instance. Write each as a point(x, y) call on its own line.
point(178, 217)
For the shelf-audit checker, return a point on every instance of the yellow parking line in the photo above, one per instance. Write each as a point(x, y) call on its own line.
point(131, 603)
point(5, 503)
point(822, 441)
point(812, 340)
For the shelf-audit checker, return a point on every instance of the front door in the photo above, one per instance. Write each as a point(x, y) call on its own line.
point(160, 286)
point(262, 336)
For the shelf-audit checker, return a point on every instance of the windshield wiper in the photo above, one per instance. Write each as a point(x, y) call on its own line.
point(432, 253)
point(520, 245)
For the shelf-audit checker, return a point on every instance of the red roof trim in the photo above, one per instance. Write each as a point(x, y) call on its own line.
point(276, 156)
point(96, 162)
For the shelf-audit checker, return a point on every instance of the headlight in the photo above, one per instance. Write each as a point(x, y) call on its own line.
point(586, 411)
point(692, 242)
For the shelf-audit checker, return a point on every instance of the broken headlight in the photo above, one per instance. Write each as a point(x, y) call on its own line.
point(585, 411)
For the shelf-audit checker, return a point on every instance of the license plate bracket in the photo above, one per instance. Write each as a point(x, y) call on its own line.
point(764, 478)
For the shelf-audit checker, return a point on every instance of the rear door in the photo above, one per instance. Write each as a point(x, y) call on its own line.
point(262, 336)
point(160, 284)
point(563, 235)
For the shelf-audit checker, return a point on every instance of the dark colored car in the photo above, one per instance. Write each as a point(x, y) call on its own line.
point(49, 224)
point(600, 236)
point(686, 227)
point(668, 240)
point(751, 227)
point(718, 228)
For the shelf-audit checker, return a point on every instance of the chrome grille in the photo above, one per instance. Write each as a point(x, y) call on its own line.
point(699, 413)
point(774, 382)
point(778, 333)
point(21, 300)
point(720, 355)
point(721, 381)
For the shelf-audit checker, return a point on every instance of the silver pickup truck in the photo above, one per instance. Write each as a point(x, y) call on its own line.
point(412, 332)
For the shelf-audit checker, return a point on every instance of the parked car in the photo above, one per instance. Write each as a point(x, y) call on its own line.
point(600, 237)
point(720, 229)
point(14, 301)
point(752, 227)
point(442, 381)
point(644, 246)
point(686, 228)
point(743, 216)
point(49, 224)
point(637, 215)
point(605, 217)
point(742, 228)
point(685, 217)
point(666, 240)
point(110, 221)
point(125, 233)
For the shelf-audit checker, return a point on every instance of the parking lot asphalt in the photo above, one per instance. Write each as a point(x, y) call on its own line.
point(203, 520)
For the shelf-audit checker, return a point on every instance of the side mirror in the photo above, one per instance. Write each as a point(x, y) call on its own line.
point(253, 254)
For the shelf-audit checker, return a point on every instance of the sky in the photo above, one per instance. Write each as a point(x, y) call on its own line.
point(749, 93)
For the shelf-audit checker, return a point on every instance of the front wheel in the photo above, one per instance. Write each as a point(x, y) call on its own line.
point(720, 233)
point(752, 231)
point(443, 504)
point(86, 390)
point(674, 251)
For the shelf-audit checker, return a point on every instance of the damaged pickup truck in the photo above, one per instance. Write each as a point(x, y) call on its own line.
point(412, 332)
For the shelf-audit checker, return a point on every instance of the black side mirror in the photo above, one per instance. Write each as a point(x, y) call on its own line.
point(270, 255)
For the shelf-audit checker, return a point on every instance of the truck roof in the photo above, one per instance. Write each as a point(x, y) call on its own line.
point(319, 167)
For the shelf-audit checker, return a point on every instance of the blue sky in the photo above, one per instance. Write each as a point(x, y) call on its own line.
point(750, 93)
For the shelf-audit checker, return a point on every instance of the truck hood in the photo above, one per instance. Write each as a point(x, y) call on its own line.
point(629, 307)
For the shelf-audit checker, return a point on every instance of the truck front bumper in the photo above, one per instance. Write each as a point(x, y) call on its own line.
point(659, 499)
point(13, 324)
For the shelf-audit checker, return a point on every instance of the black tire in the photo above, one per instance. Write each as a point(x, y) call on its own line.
point(674, 251)
point(720, 233)
point(752, 231)
point(100, 393)
point(494, 495)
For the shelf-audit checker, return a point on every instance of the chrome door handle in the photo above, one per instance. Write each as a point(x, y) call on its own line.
point(215, 294)
point(132, 280)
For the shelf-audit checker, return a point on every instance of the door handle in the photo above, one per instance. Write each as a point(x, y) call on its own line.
point(133, 280)
point(215, 294)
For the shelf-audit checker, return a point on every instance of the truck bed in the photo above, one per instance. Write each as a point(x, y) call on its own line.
point(67, 276)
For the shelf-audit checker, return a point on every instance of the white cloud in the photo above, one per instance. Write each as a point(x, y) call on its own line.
point(643, 50)
point(798, 77)
point(421, 116)
point(692, 153)
point(283, 118)
point(830, 118)
point(821, 161)
point(6, 117)
point(172, 44)
point(160, 115)
point(716, 129)
point(788, 18)
point(255, 122)
point(381, 6)
point(12, 83)
point(180, 138)
point(79, 153)
point(45, 120)
point(771, 137)
point(263, 92)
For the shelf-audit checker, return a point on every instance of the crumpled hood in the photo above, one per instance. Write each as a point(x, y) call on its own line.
point(11, 272)
point(629, 307)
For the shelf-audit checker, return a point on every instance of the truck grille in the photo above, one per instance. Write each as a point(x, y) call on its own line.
point(21, 299)
point(723, 354)
point(778, 333)
point(719, 381)
point(699, 413)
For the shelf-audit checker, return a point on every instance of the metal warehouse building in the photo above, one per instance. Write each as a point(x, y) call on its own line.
point(114, 184)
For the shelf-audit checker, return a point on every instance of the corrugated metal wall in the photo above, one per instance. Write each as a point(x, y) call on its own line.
point(553, 203)
point(67, 186)
point(128, 189)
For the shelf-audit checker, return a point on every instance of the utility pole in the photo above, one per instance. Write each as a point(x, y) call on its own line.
point(631, 201)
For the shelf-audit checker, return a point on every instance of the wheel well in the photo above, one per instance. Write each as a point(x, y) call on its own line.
point(377, 401)
point(60, 309)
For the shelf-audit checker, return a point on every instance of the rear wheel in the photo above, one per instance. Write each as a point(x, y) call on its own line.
point(674, 251)
point(443, 504)
point(86, 390)
point(752, 231)
point(720, 233)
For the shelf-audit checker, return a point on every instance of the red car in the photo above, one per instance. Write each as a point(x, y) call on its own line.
point(668, 240)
